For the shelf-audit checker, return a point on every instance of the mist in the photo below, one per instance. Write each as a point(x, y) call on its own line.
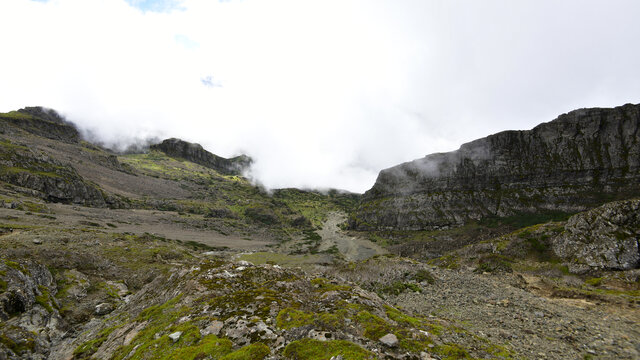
point(321, 94)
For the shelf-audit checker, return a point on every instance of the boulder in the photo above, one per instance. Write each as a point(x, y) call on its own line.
point(389, 340)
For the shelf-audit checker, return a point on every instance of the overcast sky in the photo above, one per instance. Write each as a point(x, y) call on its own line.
point(320, 93)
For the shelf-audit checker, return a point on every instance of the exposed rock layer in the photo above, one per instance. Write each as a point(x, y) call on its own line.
point(46, 177)
point(197, 154)
point(580, 160)
point(602, 238)
point(42, 122)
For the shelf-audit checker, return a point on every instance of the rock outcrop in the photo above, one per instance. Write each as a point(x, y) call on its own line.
point(578, 161)
point(602, 238)
point(46, 177)
point(29, 315)
point(42, 122)
point(196, 153)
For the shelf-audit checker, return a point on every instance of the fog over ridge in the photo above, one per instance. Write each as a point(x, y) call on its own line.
point(320, 94)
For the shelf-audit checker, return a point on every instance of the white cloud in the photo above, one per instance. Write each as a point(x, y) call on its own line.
point(320, 93)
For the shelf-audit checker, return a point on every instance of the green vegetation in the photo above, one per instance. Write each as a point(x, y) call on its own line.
point(492, 263)
point(45, 299)
point(399, 287)
point(256, 351)
point(17, 266)
point(26, 343)
point(423, 275)
point(291, 318)
point(597, 281)
point(280, 259)
point(33, 207)
point(209, 345)
point(89, 348)
point(452, 352)
point(323, 285)
point(310, 349)
point(525, 219)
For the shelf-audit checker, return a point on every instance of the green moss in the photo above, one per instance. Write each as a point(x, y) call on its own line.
point(451, 352)
point(33, 207)
point(594, 281)
point(158, 311)
point(111, 290)
point(446, 261)
point(374, 326)
point(19, 170)
point(494, 263)
point(45, 299)
point(89, 348)
point(423, 275)
point(3, 286)
point(399, 317)
point(209, 345)
point(399, 287)
point(257, 351)
point(290, 318)
point(17, 266)
point(280, 259)
point(323, 285)
point(525, 219)
point(16, 115)
point(24, 344)
point(310, 349)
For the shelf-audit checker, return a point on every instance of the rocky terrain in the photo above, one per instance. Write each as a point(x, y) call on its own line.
point(196, 154)
point(170, 253)
point(582, 159)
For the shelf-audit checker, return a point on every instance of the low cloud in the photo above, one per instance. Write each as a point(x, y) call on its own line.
point(320, 94)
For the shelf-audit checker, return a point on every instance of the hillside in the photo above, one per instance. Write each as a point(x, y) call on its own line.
point(170, 253)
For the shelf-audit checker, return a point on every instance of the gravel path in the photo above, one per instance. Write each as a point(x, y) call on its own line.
point(352, 248)
point(535, 327)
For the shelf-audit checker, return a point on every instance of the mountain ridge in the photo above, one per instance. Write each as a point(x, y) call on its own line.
point(580, 160)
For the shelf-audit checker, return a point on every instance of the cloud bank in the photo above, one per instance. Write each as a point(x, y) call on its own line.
point(320, 93)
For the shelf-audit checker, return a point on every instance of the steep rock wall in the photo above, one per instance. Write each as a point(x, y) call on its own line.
point(580, 160)
point(197, 154)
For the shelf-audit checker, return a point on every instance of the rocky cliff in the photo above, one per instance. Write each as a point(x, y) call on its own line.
point(42, 122)
point(197, 154)
point(575, 162)
point(40, 175)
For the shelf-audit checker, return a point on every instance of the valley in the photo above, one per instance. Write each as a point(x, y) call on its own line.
point(171, 252)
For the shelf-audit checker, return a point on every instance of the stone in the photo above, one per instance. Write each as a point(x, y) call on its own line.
point(214, 328)
point(175, 336)
point(103, 309)
point(320, 335)
point(37, 241)
point(571, 164)
point(389, 340)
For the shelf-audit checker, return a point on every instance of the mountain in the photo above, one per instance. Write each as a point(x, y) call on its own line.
point(169, 252)
point(579, 160)
point(196, 154)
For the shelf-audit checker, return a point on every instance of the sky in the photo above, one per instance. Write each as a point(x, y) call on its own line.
point(322, 94)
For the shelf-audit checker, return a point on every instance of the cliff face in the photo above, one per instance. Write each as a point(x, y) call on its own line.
point(197, 154)
point(42, 122)
point(580, 160)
